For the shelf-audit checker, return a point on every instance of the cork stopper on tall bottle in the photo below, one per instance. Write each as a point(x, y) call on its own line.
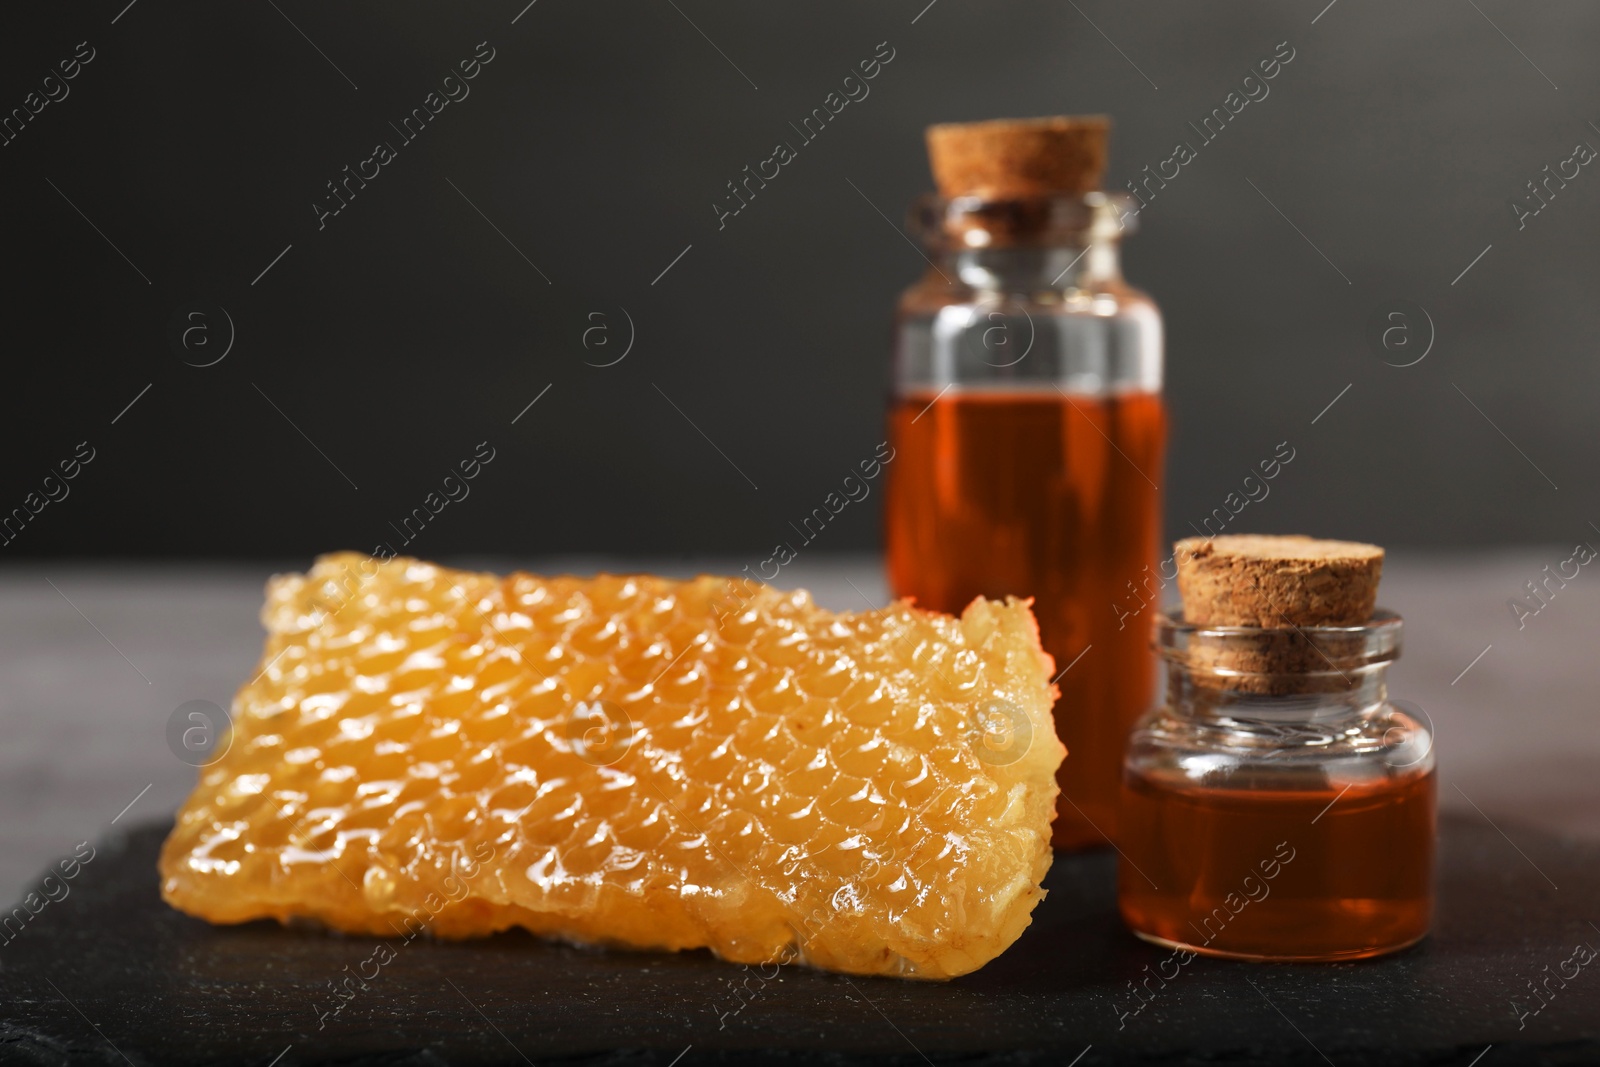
point(1062, 155)
point(1287, 589)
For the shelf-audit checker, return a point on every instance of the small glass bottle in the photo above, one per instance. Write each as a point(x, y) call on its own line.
point(1279, 806)
point(1028, 426)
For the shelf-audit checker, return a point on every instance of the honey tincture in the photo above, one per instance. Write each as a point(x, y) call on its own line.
point(1278, 806)
point(1028, 425)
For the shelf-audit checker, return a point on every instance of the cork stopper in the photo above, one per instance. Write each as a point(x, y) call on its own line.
point(1019, 158)
point(1277, 581)
point(1289, 588)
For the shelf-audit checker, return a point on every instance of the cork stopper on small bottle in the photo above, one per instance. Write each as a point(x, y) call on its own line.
point(1288, 588)
point(1277, 581)
point(1018, 158)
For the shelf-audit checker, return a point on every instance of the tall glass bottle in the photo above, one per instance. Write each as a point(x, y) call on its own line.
point(1029, 429)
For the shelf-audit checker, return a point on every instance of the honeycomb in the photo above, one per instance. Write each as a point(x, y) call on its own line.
point(631, 761)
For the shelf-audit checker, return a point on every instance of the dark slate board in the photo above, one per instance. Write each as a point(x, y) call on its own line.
point(110, 975)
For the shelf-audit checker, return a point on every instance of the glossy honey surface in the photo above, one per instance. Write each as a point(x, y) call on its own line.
point(634, 761)
point(1053, 496)
point(1309, 874)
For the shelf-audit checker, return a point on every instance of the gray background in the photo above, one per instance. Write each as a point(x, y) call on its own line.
point(410, 329)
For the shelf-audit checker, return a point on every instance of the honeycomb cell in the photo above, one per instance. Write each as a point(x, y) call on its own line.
point(626, 761)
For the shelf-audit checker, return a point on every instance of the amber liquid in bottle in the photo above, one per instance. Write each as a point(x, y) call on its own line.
point(1051, 495)
point(1266, 874)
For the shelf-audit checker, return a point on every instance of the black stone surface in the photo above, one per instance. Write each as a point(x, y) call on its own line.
point(110, 975)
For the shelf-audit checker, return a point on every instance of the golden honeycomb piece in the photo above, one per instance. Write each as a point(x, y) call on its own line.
point(631, 761)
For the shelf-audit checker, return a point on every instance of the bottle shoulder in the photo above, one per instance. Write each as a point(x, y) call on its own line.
point(1101, 338)
point(1387, 744)
point(932, 293)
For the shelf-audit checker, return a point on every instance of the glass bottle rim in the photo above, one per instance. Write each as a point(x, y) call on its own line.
point(975, 222)
point(1344, 648)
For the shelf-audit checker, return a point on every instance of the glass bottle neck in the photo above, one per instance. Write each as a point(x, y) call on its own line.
point(1084, 264)
point(1282, 676)
point(1338, 694)
point(1025, 245)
